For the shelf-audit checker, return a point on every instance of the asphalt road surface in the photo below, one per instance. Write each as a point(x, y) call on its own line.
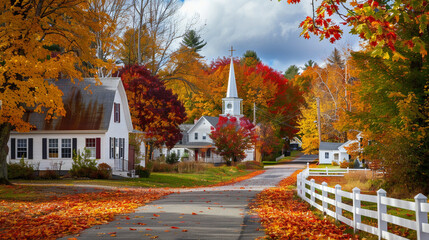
point(203, 213)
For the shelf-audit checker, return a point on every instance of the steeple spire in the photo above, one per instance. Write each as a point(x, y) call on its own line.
point(232, 86)
point(231, 105)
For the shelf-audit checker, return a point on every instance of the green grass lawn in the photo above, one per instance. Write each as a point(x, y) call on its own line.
point(293, 155)
point(158, 180)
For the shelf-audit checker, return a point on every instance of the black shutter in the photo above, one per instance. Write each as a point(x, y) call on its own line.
point(12, 148)
point(74, 146)
point(44, 148)
point(30, 148)
point(110, 148)
point(114, 148)
point(119, 112)
point(98, 148)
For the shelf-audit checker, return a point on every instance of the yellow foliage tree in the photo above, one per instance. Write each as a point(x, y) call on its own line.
point(308, 127)
point(41, 41)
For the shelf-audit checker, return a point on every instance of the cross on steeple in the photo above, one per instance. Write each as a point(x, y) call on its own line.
point(232, 50)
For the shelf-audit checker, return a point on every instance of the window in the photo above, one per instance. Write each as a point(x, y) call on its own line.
point(121, 147)
point(53, 148)
point(336, 156)
point(116, 148)
point(66, 148)
point(117, 114)
point(196, 136)
point(21, 148)
point(90, 146)
point(204, 136)
point(208, 153)
point(326, 155)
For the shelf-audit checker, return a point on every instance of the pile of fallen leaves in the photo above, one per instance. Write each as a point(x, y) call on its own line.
point(239, 179)
point(286, 217)
point(69, 214)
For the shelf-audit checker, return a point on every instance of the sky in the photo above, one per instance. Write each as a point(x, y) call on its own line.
point(270, 28)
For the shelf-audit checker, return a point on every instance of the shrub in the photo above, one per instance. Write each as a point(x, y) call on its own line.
point(253, 165)
point(192, 167)
point(104, 171)
point(50, 175)
point(142, 171)
point(334, 163)
point(344, 164)
point(172, 158)
point(83, 166)
point(20, 170)
point(163, 167)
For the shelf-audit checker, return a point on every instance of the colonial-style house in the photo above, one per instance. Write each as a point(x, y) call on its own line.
point(196, 144)
point(329, 151)
point(97, 119)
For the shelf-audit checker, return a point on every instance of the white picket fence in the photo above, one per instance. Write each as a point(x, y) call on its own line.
point(307, 191)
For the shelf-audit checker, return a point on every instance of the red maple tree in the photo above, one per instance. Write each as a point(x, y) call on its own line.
point(154, 109)
point(232, 137)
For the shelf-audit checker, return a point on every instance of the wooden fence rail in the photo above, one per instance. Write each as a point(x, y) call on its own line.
point(333, 202)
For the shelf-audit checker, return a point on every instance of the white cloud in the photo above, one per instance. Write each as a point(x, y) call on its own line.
point(268, 27)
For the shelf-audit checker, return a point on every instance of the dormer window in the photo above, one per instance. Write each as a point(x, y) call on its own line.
point(117, 113)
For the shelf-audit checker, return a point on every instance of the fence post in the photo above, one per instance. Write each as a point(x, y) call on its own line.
point(298, 184)
point(347, 169)
point(312, 191)
point(356, 206)
point(338, 199)
point(381, 209)
point(421, 217)
point(324, 196)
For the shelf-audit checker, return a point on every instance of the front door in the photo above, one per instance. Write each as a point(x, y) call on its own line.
point(196, 155)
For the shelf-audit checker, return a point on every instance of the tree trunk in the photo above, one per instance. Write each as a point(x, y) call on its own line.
point(4, 150)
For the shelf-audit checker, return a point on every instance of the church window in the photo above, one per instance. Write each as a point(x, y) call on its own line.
point(326, 155)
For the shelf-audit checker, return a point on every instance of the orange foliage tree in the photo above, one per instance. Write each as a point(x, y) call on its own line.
point(41, 40)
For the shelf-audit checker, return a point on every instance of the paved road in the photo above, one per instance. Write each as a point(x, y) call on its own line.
point(203, 213)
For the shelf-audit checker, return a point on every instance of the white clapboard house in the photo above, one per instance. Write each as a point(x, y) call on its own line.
point(97, 118)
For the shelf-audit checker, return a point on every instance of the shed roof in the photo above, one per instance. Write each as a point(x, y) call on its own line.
point(329, 146)
point(88, 106)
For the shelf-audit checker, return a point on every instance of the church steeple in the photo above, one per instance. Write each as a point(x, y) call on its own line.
point(231, 105)
point(232, 86)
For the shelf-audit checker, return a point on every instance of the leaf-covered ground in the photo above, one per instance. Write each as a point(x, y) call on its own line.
point(52, 216)
point(50, 212)
point(286, 217)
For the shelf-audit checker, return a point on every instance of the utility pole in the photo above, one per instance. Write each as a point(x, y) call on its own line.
point(318, 120)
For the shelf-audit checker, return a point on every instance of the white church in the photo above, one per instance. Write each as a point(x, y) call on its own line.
point(196, 144)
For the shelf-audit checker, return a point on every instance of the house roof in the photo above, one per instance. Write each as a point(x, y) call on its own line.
point(329, 146)
point(88, 106)
point(212, 120)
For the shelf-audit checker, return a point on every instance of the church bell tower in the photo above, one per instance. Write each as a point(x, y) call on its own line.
point(231, 104)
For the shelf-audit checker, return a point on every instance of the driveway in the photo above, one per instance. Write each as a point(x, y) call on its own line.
point(202, 213)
